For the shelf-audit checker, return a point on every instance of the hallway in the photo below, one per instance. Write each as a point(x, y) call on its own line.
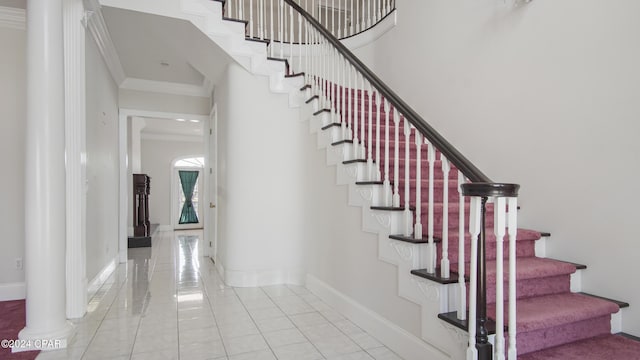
point(170, 303)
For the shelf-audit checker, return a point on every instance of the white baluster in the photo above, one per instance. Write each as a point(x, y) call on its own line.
point(407, 176)
point(332, 89)
point(251, 18)
point(313, 8)
point(339, 19)
point(499, 219)
point(417, 231)
point(370, 135)
point(369, 14)
point(386, 185)
point(474, 229)
point(444, 262)
point(356, 123)
point(337, 84)
point(431, 159)
point(307, 66)
point(291, 38)
point(362, 152)
point(326, 14)
point(350, 115)
point(377, 176)
point(271, 37)
point(357, 16)
point(396, 158)
point(378, 13)
point(363, 19)
point(229, 9)
point(343, 111)
point(462, 288)
point(300, 41)
point(333, 18)
point(351, 25)
point(281, 28)
point(260, 19)
point(513, 231)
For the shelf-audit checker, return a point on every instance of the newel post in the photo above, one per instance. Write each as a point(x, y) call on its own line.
point(480, 194)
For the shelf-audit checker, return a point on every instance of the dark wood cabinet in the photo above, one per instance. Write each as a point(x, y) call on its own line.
point(141, 224)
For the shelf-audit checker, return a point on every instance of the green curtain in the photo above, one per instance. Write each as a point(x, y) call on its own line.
point(188, 180)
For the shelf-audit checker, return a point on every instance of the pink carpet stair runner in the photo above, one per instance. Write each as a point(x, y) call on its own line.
point(552, 322)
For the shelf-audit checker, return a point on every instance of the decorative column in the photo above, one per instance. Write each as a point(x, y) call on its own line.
point(75, 127)
point(45, 228)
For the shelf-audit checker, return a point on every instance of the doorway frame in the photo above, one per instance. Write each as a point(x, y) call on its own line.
point(175, 191)
point(123, 115)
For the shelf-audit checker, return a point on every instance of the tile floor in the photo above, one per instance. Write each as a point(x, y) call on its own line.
point(168, 302)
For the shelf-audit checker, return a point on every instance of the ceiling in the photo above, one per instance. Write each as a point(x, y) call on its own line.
point(163, 49)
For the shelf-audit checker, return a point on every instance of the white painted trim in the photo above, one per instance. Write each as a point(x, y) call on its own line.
point(13, 291)
point(94, 22)
point(13, 18)
point(102, 276)
point(405, 344)
point(166, 87)
point(171, 137)
point(253, 278)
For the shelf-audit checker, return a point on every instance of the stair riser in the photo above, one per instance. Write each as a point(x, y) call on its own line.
point(523, 249)
point(545, 338)
point(529, 287)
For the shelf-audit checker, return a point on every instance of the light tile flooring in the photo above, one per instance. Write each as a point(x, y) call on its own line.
point(168, 302)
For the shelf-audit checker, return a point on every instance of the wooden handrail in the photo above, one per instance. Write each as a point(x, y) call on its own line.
point(450, 152)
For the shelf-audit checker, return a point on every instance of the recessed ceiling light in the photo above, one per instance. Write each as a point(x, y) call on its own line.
point(164, 63)
point(195, 121)
point(180, 120)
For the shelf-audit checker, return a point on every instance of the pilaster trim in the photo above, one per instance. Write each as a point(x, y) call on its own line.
point(94, 22)
point(13, 18)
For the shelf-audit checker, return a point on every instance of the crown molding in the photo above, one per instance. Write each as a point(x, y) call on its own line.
point(13, 18)
point(94, 22)
point(165, 87)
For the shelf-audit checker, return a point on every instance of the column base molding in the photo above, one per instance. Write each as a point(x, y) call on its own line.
point(30, 339)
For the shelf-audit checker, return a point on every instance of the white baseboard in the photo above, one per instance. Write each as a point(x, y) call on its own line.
point(13, 291)
point(255, 278)
point(405, 344)
point(102, 276)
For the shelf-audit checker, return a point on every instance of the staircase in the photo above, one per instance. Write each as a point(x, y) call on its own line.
point(417, 193)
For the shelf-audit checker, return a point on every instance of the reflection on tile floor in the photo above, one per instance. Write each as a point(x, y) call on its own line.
point(170, 303)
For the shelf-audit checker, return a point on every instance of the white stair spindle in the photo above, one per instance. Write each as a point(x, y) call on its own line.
point(350, 104)
point(326, 15)
point(431, 159)
point(241, 10)
point(271, 37)
point(386, 185)
point(332, 90)
point(370, 175)
point(333, 18)
point(300, 41)
point(260, 19)
point(462, 288)
point(363, 119)
point(474, 230)
point(378, 13)
point(369, 13)
point(356, 124)
point(291, 38)
point(408, 221)
point(351, 24)
point(513, 230)
point(338, 85)
point(396, 158)
point(229, 9)
point(339, 27)
point(445, 270)
point(357, 16)
point(281, 28)
point(343, 110)
point(377, 176)
point(313, 8)
point(363, 19)
point(417, 231)
point(499, 221)
point(251, 18)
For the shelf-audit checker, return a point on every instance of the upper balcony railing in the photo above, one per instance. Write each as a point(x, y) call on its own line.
point(343, 18)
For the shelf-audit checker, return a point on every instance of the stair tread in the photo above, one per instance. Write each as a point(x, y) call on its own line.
point(557, 309)
point(597, 348)
point(621, 304)
point(528, 268)
point(423, 273)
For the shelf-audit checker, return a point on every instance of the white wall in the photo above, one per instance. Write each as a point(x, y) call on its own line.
point(102, 162)
point(260, 199)
point(12, 140)
point(150, 101)
point(157, 158)
point(545, 95)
